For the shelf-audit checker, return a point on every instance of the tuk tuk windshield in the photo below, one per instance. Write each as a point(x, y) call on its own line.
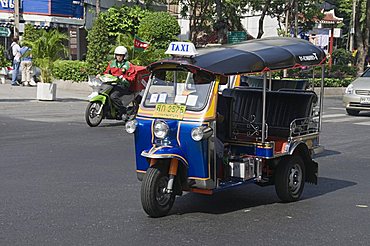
point(179, 86)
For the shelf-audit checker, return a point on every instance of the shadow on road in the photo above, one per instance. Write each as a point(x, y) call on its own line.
point(71, 100)
point(113, 124)
point(18, 100)
point(245, 197)
point(328, 152)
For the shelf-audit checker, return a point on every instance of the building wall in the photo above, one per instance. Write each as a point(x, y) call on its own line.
point(270, 26)
point(64, 8)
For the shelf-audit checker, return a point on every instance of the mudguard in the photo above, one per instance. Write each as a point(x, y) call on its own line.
point(99, 98)
point(165, 152)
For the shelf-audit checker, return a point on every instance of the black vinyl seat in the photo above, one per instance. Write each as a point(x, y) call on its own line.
point(282, 107)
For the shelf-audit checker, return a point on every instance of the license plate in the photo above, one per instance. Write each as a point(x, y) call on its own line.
point(169, 111)
point(365, 100)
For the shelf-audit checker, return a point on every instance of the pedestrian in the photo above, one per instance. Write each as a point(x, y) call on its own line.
point(16, 61)
point(26, 65)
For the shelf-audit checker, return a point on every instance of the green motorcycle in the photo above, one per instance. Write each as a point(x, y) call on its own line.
point(101, 107)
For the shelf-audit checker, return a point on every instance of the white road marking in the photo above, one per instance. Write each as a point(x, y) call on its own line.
point(346, 119)
point(335, 108)
point(333, 115)
point(367, 123)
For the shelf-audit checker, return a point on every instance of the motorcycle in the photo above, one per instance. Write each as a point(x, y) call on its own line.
point(101, 106)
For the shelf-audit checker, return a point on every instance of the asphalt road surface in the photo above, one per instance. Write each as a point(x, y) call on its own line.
point(64, 183)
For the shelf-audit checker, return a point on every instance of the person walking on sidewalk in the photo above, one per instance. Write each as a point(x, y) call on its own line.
point(26, 65)
point(16, 61)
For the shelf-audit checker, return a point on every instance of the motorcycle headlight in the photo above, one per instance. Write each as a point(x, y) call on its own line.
point(201, 132)
point(160, 129)
point(349, 89)
point(131, 126)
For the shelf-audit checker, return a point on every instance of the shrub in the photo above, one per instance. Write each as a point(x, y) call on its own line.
point(159, 28)
point(98, 47)
point(342, 57)
point(123, 20)
point(3, 61)
point(334, 82)
point(71, 70)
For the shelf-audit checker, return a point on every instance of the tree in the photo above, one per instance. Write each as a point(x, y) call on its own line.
point(304, 11)
point(98, 46)
point(30, 33)
point(159, 28)
point(362, 32)
point(123, 20)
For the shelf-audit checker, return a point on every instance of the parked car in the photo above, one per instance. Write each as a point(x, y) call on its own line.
point(356, 97)
point(35, 73)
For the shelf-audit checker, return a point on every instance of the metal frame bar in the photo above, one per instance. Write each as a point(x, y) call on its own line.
point(321, 96)
point(264, 108)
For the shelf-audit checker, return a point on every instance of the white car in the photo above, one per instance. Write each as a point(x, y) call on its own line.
point(356, 97)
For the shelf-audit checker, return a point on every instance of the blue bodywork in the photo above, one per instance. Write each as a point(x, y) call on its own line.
point(178, 144)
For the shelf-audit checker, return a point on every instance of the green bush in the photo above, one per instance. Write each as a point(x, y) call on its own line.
point(123, 20)
point(342, 57)
point(159, 28)
point(3, 61)
point(98, 47)
point(71, 70)
point(334, 82)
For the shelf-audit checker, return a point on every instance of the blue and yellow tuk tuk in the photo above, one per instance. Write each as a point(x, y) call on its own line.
point(205, 124)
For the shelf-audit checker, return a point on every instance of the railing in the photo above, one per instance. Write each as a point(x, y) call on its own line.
point(304, 126)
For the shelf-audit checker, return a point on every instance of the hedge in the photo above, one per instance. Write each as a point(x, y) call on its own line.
point(71, 70)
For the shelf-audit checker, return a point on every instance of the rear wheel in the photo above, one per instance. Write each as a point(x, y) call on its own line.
point(290, 178)
point(353, 112)
point(94, 113)
point(155, 200)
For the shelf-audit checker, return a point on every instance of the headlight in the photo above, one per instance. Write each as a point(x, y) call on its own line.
point(131, 126)
point(160, 129)
point(201, 132)
point(349, 89)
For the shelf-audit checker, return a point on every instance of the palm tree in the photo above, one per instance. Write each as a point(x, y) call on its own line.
point(46, 50)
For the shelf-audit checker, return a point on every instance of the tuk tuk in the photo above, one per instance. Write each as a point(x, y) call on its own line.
point(199, 129)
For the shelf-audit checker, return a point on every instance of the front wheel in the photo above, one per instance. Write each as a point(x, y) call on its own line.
point(290, 178)
point(154, 199)
point(94, 113)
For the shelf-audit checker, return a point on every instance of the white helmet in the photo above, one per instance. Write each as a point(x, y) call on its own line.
point(121, 50)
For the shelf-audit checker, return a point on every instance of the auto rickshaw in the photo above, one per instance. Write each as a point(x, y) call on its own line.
point(199, 129)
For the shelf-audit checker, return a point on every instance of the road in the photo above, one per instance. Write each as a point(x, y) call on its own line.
point(64, 183)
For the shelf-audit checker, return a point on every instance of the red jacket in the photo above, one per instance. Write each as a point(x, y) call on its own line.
point(126, 69)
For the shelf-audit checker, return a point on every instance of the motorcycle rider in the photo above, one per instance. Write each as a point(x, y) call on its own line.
point(121, 68)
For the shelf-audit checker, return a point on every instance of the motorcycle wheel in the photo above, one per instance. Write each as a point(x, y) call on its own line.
point(154, 199)
point(92, 118)
point(132, 110)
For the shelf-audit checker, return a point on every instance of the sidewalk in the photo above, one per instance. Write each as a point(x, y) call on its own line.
point(65, 90)
point(73, 90)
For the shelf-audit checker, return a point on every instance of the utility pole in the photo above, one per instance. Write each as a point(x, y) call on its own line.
point(16, 18)
point(352, 31)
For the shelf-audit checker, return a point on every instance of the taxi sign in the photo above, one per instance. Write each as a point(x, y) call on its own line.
point(185, 49)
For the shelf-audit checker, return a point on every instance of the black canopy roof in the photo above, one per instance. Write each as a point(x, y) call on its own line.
point(253, 56)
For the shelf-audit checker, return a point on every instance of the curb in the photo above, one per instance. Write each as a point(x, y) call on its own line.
point(84, 87)
point(332, 91)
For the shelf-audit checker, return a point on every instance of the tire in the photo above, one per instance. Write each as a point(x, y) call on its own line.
point(156, 203)
point(93, 119)
point(353, 112)
point(290, 178)
point(132, 112)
